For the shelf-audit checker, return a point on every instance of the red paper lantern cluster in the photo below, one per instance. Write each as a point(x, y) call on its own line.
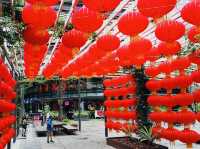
point(61, 57)
point(6, 121)
point(119, 81)
point(186, 136)
point(7, 94)
point(118, 126)
point(119, 86)
point(184, 117)
point(38, 15)
point(6, 137)
point(99, 61)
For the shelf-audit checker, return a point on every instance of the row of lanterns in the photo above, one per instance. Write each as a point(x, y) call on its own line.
point(7, 95)
point(117, 119)
point(38, 17)
point(85, 20)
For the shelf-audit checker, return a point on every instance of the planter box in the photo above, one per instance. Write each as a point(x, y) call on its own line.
point(127, 143)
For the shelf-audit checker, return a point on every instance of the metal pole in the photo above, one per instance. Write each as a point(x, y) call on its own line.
point(9, 145)
point(79, 106)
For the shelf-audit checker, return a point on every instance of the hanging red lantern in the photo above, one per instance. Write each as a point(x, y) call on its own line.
point(196, 95)
point(157, 132)
point(181, 63)
point(184, 81)
point(186, 117)
point(195, 57)
point(198, 116)
point(86, 20)
point(74, 39)
point(170, 117)
point(128, 102)
point(189, 136)
point(36, 36)
point(196, 76)
point(132, 23)
point(194, 34)
point(189, 12)
point(170, 134)
point(169, 30)
point(101, 5)
point(168, 83)
point(39, 17)
point(155, 8)
point(108, 43)
point(153, 85)
point(139, 48)
point(168, 49)
point(183, 99)
point(43, 2)
point(123, 53)
point(156, 116)
point(154, 100)
point(152, 71)
point(153, 54)
point(165, 67)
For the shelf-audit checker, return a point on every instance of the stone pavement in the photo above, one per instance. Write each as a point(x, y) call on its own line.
point(91, 137)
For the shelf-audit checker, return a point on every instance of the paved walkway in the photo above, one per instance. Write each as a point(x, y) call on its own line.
point(91, 137)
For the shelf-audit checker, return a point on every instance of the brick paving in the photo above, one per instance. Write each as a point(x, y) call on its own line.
point(91, 137)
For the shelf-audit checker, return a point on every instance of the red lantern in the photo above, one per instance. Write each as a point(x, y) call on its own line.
point(101, 5)
point(153, 85)
point(180, 63)
point(169, 30)
point(39, 17)
point(154, 100)
point(104, 43)
point(74, 39)
point(194, 34)
point(196, 95)
point(132, 23)
point(139, 48)
point(128, 102)
point(168, 83)
point(155, 8)
point(152, 71)
point(195, 57)
point(186, 117)
point(183, 99)
point(198, 116)
point(157, 132)
point(36, 36)
point(153, 54)
point(184, 81)
point(123, 53)
point(86, 20)
point(156, 116)
point(168, 49)
point(170, 134)
point(189, 136)
point(165, 68)
point(190, 11)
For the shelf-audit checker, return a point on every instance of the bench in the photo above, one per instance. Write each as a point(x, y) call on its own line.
point(70, 129)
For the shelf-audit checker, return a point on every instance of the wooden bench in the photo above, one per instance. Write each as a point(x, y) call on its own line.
point(70, 129)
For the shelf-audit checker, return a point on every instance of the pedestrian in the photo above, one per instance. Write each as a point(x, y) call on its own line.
point(50, 129)
point(24, 126)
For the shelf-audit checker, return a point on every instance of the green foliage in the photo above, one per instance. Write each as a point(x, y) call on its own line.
point(10, 31)
point(145, 134)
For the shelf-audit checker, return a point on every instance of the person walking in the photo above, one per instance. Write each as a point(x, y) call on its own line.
point(50, 129)
point(24, 126)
